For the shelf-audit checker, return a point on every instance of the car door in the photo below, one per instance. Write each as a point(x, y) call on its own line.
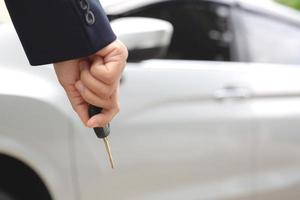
point(186, 131)
point(199, 130)
point(277, 149)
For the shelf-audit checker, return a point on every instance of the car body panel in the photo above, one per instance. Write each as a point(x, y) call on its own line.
point(29, 135)
point(35, 126)
point(186, 142)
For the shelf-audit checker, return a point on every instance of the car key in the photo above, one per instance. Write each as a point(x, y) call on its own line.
point(102, 132)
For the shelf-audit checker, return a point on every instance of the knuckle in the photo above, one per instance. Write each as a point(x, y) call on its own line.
point(122, 50)
point(83, 92)
point(106, 92)
point(117, 44)
point(125, 52)
point(101, 122)
point(116, 108)
point(109, 77)
point(88, 96)
point(83, 77)
point(95, 70)
point(104, 119)
point(109, 105)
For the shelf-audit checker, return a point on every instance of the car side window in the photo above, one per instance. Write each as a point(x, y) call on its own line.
point(270, 39)
point(201, 29)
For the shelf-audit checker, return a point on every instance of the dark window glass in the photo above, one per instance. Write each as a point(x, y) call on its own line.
point(201, 30)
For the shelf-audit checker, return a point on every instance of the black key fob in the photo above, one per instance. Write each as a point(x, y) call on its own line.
point(101, 132)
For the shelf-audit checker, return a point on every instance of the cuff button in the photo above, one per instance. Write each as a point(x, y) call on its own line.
point(90, 18)
point(84, 5)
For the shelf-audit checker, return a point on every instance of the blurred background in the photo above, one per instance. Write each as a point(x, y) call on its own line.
point(292, 3)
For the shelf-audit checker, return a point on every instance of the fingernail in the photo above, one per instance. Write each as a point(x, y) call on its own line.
point(79, 86)
point(82, 65)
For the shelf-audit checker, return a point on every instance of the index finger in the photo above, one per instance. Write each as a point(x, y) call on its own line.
point(109, 72)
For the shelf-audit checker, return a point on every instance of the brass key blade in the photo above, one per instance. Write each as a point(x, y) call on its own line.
point(107, 147)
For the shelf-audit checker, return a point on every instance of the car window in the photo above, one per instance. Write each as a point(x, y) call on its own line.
point(271, 40)
point(201, 29)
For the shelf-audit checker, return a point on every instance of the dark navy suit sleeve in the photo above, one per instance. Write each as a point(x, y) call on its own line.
point(58, 30)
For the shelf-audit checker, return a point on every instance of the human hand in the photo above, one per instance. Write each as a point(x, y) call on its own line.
point(94, 80)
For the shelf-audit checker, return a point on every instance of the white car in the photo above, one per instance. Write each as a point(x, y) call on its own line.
point(187, 129)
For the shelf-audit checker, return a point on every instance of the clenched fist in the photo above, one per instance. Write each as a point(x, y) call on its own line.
point(94, 80)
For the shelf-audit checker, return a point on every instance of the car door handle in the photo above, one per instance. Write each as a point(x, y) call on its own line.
point(232, 92)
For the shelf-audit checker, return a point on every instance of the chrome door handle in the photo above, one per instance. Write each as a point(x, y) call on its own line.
point(232, 92)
